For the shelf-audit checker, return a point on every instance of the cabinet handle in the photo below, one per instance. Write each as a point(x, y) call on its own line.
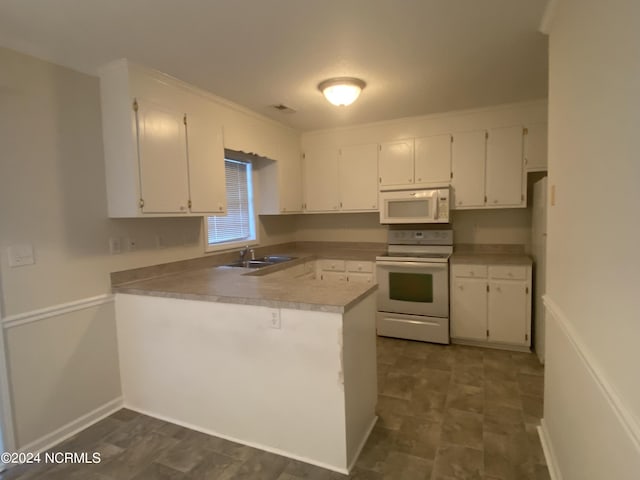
point(419, 179)
point(182, 208)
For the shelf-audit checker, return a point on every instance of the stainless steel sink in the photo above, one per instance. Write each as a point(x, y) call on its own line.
point(277, 258)
point(250, 264)
point(261, 262)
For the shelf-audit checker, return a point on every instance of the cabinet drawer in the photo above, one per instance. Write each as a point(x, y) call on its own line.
point(332, 265)
point(473, 271)
point(364, 267)
point(508, 272)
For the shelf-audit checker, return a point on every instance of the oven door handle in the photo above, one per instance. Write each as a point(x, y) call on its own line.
point(432, 266)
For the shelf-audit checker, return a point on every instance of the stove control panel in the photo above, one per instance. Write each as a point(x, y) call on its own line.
point(420, 237)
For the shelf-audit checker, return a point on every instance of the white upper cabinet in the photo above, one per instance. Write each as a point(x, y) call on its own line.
point(358, 177)
point(505, 179)
point(162, 151)
point(396, 163)
point(488, 169)
point(321, 187)
point(433, 160)
point(205, 148)
point(154, 163)
point(468, 165)
point(535, 147)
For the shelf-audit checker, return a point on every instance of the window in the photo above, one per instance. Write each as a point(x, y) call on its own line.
point(238, 226)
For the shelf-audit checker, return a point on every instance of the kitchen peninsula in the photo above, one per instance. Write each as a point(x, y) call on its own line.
point(264, 357)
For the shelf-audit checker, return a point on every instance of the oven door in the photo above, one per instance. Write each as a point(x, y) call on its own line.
point(414, 288)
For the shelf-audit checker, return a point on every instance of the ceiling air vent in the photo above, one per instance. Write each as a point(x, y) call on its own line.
point(283, 108)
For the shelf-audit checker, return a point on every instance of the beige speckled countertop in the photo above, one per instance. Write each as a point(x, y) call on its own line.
point(490, 259)
point(490, 255)
point(256, 286)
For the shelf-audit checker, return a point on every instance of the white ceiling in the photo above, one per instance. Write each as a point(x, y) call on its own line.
point(417, 56)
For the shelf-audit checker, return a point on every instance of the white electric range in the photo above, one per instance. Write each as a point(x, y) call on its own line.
point(413, 285)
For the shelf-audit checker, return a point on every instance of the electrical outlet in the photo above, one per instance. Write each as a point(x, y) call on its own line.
point(160, 241)
point(130, 244)
point(114, 245)
point(274, 320)
point(20, 255)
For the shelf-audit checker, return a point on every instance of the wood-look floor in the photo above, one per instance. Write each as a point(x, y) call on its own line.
point(446, 412)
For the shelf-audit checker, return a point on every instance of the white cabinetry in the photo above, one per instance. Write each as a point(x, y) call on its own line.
point(433, 160)
point(156, 161)
point(488, 168)
point(468, 165)
point(535, 147)
point(396, 163)
point(346, 271)
point(505, 177)
point(491, 304)
point(342, 179)
point(321, 189)
point(419, 162)
point(358, 177)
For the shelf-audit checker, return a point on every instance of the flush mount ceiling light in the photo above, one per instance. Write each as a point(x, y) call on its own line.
point(341, 91)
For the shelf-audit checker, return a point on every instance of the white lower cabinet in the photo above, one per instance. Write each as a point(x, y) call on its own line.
point(346, 271)
point(491, 304)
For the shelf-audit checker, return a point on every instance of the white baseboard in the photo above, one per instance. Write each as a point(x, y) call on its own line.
point(259, 446)
point(549, 455)
point(71, 428)
point(363, 443)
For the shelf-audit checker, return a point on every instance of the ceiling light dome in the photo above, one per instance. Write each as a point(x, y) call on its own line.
point(341, 91)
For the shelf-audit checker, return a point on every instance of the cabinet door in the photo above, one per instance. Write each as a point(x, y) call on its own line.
point(358, 176)
point(162, 150)
point(290, 184)
point(468, 163)
point(396, 163)
point(469, 309)
point(360, 278)
point(320, 180)
point(433, 160)
point(206, 165)
point(508, 312)
point(504, 167)
point(535, 147)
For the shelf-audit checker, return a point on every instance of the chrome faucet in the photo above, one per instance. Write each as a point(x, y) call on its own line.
point(243, 253)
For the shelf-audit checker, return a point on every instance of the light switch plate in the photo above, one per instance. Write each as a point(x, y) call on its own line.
point(21, 255)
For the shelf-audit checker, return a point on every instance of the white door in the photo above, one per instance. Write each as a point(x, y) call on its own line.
point(504, 167)
point(358, 174)
point(433, 160)
point(396, 163)
point(468, 161)
point(321, 180)
point(205, 146)
point(539, 250)
point(535, 147)
point(508, 312)
point(162, 148)
point(469, 308)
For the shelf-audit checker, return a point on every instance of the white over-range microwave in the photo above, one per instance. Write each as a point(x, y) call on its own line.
point(415, 206)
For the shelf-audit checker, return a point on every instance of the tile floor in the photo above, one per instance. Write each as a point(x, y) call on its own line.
point(446, 412)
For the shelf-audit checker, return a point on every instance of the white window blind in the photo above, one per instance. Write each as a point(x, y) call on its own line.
point(238, 225)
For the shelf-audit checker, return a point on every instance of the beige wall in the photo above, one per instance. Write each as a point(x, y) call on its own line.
point(52, 195)
point(499, 226)
point(593, 238)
